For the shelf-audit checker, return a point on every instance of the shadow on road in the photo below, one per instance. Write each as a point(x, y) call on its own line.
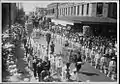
point(89, 74)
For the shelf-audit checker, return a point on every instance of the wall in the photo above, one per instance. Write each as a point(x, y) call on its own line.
point(5, 14)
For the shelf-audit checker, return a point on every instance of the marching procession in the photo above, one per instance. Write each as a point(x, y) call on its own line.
point(39, 49)
point(45, 62)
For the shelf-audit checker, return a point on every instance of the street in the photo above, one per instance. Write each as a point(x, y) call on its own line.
point(87, 72)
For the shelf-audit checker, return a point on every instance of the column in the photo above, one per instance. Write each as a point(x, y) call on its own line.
point(94, 7)
point(105, 10)
point(69, 11)
point(80, 10)
point(90, 9)
point(76, 10)
point(85, 10)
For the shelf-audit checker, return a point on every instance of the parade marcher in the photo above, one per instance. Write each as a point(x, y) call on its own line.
point(48, 38)
point(97, 60)
point(25, 41)
point(66, 44)
point(78, 64)
point(92, 56)
point(46, 64)
point(35, 66)
point(52, 46)
point(39, 69)
point(112, 68)
point(46, 68)
point(59, 65)
point(26, 49)
point(104, 64)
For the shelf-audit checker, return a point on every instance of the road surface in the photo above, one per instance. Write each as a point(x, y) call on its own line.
point(87, 72)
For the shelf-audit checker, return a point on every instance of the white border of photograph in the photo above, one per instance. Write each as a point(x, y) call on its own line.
point(52, 1)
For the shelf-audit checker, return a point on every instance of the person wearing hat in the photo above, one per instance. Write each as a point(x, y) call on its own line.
point(59, 65)
point(112, 67)
point(97, 60)
point(103, 63)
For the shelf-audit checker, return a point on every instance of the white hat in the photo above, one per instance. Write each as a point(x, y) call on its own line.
point(113, 57)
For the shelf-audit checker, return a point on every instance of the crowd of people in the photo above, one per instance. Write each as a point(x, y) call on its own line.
point(100, 51)
point(11, 39)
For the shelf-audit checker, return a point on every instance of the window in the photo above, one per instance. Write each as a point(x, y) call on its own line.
point(87, 9)
point(74, 10)
point(99, 8)
point(53, 11)
point(62, 11)
point(82, 9)
point(78, 8)
point(71, 10)
point(66, 11)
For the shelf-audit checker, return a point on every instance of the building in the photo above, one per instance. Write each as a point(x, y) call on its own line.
point(41, 11)
point(10, 13)
point(101, 17)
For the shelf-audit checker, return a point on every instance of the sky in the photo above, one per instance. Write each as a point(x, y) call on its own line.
point(28, 7)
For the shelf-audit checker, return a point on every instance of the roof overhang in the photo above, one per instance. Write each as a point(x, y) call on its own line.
point(86, 19)
point(83, 20)
point(62, 22)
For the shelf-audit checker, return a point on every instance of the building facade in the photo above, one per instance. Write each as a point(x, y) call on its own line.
point(9, 14)
point(101, 17)
point(83, 9)
point(41, 11)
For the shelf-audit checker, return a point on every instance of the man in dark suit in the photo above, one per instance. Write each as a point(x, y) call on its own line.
point(35, 61)
point(39, 68)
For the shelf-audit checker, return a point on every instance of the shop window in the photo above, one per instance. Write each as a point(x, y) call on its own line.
point(82, 9)
point(87, 9)
point(66, 11)
point(71, 10)
point(99, 8)
point(78, 8)
point(74, 10)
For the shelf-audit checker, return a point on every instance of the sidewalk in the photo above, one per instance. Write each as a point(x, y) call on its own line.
point(25, 74)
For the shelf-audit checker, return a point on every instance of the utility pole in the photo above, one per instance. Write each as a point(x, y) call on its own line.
point(10, 18)
point(57, 11)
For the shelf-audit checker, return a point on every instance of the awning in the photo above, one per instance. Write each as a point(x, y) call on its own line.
point(62, 22)
point(86, 19)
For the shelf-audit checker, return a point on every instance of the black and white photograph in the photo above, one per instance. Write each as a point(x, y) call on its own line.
point(59, 41)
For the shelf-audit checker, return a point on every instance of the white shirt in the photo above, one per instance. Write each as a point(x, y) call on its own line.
point(59, 63)
point(112, 63)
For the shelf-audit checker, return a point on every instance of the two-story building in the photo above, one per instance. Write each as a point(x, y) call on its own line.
point(100, 17)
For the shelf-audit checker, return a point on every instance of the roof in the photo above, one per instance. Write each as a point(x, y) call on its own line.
point(86, 19)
